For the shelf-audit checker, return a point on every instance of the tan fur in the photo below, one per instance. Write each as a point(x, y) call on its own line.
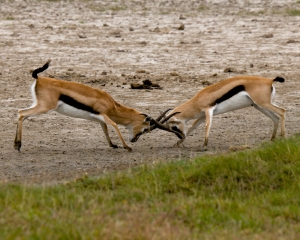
point(258, 88)
point(48, 91)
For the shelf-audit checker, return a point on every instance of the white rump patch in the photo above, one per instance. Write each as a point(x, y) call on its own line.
point(33, 94)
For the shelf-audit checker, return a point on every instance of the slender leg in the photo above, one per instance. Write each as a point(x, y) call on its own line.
point(196, 123)
point(209, 116)
point(274, 118)
point(111, 122)
point(23, 114)
point(279, 111)
point(104, 128)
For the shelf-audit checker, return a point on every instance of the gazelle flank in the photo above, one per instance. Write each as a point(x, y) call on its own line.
point(225, 96)
point(81, 101)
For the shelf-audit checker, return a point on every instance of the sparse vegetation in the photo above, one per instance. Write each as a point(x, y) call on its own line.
point(10, 18)
point(202, 8)
point(293, 12)
point(244, 195)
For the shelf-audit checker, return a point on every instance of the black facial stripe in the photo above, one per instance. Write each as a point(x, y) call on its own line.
point(72, 102)
point(230, 94)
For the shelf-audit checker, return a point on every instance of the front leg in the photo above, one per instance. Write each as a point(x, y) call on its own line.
point(104, 128)
point(196, 123)
point(111, 122)
point(209, 116)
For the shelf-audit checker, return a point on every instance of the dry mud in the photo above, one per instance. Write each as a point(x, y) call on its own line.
point(112, 44)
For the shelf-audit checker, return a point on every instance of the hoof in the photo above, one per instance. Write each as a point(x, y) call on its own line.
point(17, 145)
point(203, 149)
point(128, 149)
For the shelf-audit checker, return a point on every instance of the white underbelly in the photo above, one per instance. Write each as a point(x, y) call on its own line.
point(238, 101)
point(71, 111)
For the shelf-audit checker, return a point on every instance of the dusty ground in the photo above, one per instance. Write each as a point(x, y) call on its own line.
point(111, 44)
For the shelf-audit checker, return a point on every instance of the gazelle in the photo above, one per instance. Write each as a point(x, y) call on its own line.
point(225, 96)
point(81, 101)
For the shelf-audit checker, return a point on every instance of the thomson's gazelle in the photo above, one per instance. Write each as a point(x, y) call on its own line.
point(81, 101)
point(228, 95)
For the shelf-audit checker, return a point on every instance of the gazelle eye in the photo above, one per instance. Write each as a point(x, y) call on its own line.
point(175, 128)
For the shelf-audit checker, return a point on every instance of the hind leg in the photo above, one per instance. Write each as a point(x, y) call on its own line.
point(273, 111)
point(23, 114)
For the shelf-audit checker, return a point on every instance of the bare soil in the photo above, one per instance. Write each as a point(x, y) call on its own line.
point(181, 45)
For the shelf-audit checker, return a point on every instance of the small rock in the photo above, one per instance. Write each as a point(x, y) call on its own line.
point(131, 29)
point(291, 41)
point(136, 86)
point(182, 17)
point(105, 25)
point(155, 85)
point(174, 74)
point(147, 82)
point(251, 65)
point(181, 27)
point(82, 35)
point(226, 70)
point(268, 35)
point(239, 148)
point(49, 27)
point(205, 83)
point(104, 73)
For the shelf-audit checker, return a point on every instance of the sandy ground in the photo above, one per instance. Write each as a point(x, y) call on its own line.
point(111, 44)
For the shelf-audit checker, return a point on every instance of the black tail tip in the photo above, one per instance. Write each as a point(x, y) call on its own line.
point(38, 70)
point(279, 79)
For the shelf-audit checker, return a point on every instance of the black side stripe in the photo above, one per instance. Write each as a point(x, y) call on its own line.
point(72, 102)
point(229, 94)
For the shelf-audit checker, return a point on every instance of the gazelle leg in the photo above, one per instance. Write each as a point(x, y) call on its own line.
point(196, 123)
point(274, 118)
point(104, 128)
point(112, 123)
point(279, 111)
point(23, 114)
point(209, 116)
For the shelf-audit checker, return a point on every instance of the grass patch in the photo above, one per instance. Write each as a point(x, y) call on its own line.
point(202, 8)
point(114, 8)
point(293, 12)
point(252, 194)
point(9, 18)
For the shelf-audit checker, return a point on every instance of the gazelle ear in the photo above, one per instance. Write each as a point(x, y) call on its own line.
point(147, 118)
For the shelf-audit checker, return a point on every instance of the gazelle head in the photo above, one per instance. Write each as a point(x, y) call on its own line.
point(177, 125)
point(150, 124)
point(140, 127)
point(159, 123)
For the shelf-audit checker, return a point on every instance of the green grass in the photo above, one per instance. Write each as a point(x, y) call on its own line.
point(293, 12)
point(252, 194)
